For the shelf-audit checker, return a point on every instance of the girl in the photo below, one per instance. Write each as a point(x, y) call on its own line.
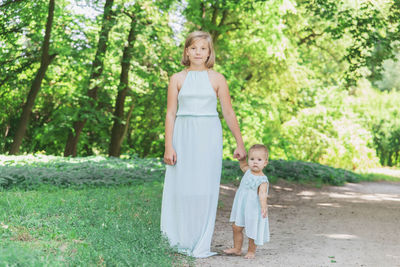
point(249, 209)
point(193, 148)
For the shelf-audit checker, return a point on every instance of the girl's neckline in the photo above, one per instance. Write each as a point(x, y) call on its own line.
point(196, 70)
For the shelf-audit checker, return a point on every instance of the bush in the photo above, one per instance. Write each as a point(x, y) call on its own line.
point(298, 171)
point(379, 113)
point(331, 134)
point(32, 171)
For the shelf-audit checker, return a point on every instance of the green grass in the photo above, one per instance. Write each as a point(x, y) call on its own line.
point(378, 177)
point(113, 226)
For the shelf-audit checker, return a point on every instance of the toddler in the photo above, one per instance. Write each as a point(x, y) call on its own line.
point(249, 209)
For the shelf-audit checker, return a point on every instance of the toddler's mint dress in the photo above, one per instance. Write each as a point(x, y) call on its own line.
point(246, 208)
point(191, 186)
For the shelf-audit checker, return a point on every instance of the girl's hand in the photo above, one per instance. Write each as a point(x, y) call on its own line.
point(264, 212)
point(170, 156)
point(240, 153)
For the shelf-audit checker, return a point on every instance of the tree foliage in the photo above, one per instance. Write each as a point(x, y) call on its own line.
point(301, 75)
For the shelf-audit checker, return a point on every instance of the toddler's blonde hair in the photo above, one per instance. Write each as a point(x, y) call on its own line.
point(260, 147)
point(193, 37)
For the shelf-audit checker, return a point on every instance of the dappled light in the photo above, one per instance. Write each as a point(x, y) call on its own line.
point(306, 193)
point(339, 236)
point(334, 205)
point(366, 197)
point(278, 188)
point(229, 188)
point(278, 206)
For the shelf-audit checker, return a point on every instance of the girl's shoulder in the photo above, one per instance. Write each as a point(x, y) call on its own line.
point(178, 78)
point(179, 75)
point(217, 80)
point(215, 75)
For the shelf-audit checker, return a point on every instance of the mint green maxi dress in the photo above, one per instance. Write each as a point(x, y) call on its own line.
point(191, 186)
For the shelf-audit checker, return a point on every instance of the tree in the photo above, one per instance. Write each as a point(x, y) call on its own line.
point(96, 71)
point(46, 59)
point(120, 122)
point(147, 49)
point(370, 26)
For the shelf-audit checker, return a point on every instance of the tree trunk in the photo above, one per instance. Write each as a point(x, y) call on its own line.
point(96, 71)
point(125, 129)
point(37, 82)
point(118, 129)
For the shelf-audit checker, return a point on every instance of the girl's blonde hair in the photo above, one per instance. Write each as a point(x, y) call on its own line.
point(193, 37)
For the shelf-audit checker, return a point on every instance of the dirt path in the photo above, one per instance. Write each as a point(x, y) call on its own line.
point(352, 225)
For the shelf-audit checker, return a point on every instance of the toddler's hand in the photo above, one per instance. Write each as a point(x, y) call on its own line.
point(264, 212)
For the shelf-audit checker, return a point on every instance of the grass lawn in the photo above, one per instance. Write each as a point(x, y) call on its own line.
point(113, 226)
point(381, 174)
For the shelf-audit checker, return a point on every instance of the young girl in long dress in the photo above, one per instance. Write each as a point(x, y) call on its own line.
point(249, 209)
point(193, 148)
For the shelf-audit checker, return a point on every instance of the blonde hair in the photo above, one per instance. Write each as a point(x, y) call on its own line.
point(193, 37)
point(260, 147)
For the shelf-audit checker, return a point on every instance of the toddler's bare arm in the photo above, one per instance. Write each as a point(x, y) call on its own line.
point(243, 165)
point(262, 194)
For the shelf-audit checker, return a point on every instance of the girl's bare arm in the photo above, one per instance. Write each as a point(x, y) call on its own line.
point(172, 104)
point(229, 115)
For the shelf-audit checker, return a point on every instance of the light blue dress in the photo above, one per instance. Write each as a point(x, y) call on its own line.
point(246, 208)
point(191, 186)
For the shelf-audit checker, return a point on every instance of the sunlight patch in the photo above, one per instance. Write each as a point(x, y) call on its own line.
point(278, 206)
point(335, 205)
point(368, 197)
point(228, 188)
point(339, 236)
point(306, 193)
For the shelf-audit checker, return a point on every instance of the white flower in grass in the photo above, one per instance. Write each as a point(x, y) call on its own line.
point(4, 226)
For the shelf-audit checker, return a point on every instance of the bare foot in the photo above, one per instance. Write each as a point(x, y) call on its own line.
point(233, 251)
point(250, 255)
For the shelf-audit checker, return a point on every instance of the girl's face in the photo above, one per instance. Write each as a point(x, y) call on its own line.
point(257, 160)
point(198, 52)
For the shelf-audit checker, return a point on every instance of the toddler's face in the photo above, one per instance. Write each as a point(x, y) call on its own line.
point(257, 160)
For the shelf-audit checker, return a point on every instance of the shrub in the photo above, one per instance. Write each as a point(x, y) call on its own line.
point(298, 171)
point(31, 171)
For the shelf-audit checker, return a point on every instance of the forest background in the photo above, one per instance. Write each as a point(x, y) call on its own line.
point(314, 80)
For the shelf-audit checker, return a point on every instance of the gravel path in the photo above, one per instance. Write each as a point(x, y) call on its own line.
point(352, 225)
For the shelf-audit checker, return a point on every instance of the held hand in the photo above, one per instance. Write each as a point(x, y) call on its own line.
point(240, 153)
point(170, 156)
point(264, 212)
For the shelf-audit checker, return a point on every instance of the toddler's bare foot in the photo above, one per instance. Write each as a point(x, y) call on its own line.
point(250, 255)
point(233, 251)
